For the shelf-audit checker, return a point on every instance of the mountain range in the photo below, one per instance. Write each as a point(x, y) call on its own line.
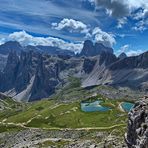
point(35, 72)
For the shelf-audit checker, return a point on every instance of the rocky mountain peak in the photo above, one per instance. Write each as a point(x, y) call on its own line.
point(87, 48)
point(10, 46)
point(100, 47)
point(90, 49)
point(122, 55)
point(140, 61)
point(16, 46)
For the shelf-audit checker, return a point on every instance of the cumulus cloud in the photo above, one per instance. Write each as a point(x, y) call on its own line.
point(71, 25)
point(121, 9)
point(95, 34)
point(103, 37)
point(26, 39)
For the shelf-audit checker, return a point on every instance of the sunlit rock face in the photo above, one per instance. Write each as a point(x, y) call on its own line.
point(137, 134)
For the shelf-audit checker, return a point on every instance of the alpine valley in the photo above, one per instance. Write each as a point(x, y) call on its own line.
point(73, 73)
point(44, 90)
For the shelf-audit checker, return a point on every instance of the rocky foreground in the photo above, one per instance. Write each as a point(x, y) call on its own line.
point(137, 135)
point(38, 138)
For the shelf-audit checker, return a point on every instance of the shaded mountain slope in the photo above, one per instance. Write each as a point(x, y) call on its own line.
point(128, 72)
point(33, 76)
point(90, 49)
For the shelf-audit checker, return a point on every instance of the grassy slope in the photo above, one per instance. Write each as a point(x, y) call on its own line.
point(54, 113)
point(47, 113)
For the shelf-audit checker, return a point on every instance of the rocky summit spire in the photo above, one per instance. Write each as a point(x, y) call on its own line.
point(90, 49)
point(122, 55)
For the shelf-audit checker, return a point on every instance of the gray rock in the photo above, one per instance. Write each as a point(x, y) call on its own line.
point(122, 56)
point(137, 134)
point(89, 49)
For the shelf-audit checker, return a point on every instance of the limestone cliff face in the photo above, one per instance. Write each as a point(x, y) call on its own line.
point(137, 134)
point(33, 75)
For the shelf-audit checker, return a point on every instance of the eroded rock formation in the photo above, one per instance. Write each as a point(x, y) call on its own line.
point(137, 134)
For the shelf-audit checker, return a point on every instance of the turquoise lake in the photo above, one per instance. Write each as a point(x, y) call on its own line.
point(127, 106)
point(93, 107)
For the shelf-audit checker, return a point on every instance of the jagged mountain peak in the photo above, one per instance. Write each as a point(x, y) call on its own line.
point(91, 49)
point(140, 61)
point(122, 55)
point(16, 46)
point(10, 46)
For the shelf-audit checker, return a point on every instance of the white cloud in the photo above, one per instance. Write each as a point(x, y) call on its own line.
point(25, 39)
point(95, 34)
point(121, 22)
point(71, 25)
point(124, 48)
point(141, 25)
point(122, 9)
point(103, 37)
point(134, 52)
point(129, 52)
point(35, 15)
point(142, 13)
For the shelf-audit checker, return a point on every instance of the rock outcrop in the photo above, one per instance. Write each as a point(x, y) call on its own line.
point(137, 134)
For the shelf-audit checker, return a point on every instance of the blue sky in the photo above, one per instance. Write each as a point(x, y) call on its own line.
point(122, 25)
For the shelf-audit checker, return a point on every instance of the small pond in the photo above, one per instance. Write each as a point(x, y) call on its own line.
point(127, 106)
point(93, 106)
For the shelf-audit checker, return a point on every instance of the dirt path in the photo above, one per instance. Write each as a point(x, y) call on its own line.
point(68, 129)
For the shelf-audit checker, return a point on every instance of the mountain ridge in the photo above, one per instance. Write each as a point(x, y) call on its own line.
point(9, 46)
point(31, 75)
